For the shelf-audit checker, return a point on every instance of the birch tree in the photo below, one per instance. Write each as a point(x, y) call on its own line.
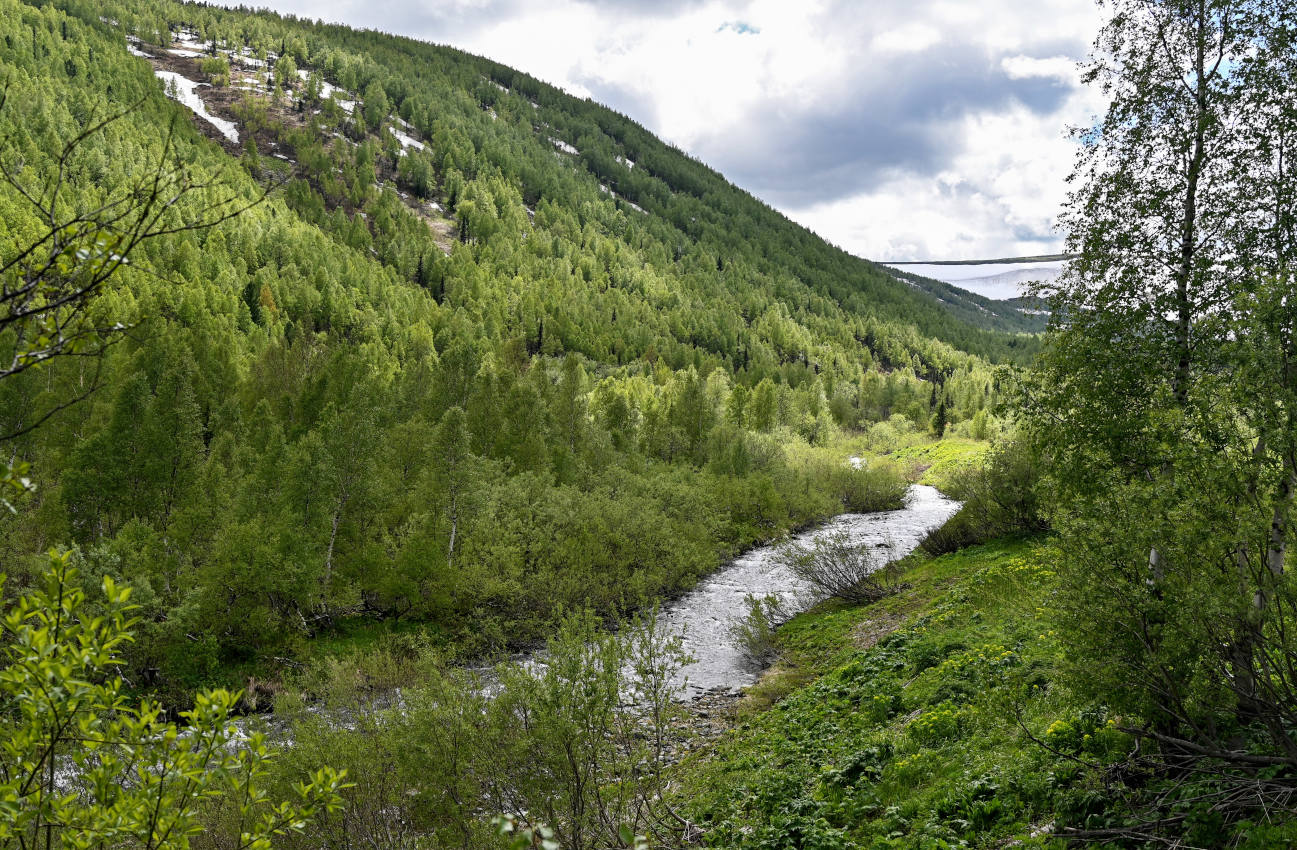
point(83, 766)
point(1166, 391)
point(450, 471)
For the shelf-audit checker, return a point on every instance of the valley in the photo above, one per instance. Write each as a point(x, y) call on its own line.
point(1001, 280)
point(401, 451)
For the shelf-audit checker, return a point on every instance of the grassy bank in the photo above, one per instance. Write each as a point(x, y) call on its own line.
point(909, 723)
point(938, 462)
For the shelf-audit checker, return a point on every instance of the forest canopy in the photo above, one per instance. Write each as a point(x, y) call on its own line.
point(471, 352)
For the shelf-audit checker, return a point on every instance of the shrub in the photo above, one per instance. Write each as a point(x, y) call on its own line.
point(85, 765)
point(834, 566)
point(965, 528)
point(1000, 497)
point(937, 725)
point(880, 486)
point(217, 70)
point(805, 831)
point(754, 632)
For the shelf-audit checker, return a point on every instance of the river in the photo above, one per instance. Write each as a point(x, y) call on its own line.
point(706, 613)
point(704, 616)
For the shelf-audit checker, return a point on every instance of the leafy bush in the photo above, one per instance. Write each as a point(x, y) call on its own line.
point(879, 486)
point(937, 724)
point(217, 70)
point(834, 566)
point(81, 759)
point(754, 632)
point(1000, 497)
point(578, 738)
point(802, 832)
point(866, 764)
point(965, 528)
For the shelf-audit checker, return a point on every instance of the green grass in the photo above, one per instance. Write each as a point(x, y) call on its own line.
point(935, 462)
point(901, 724)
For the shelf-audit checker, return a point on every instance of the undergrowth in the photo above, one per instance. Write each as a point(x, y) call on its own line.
point(917, 729)
point(937, 463)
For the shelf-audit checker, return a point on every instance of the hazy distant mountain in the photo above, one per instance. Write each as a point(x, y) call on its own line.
point(996, 279)
point(988, 292)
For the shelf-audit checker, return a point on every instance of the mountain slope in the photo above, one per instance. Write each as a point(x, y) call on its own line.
point(474, 114)
point(439, 376)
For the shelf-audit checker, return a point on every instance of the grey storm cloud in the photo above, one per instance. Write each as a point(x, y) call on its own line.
point(797, 154)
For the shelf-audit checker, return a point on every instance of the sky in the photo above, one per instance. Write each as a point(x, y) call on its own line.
point(896, 129)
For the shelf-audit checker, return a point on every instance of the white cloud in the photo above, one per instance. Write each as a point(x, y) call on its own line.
point(996, 197)
point(907, 38)
point(1022, 67)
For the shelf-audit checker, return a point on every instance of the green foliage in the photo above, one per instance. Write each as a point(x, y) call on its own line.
point(524, 837)
point(14, 484)
point(1001, 495)
point(334, 414)
point(941, 464)
point(286, 72)
point(836, 566)
point(577, 740)
point(918, 735)
point(878, 485)
point(1166, 404)
point(84, 766)
point(754, 630)
point(217, 70)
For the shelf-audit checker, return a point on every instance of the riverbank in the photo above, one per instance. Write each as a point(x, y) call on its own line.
point(705, 616)
point(908, 723)
point(616, 541)
point(552, 741)
point(814, 485)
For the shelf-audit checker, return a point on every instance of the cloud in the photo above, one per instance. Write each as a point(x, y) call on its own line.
point(643, 8)
point(1027, 67)
point(997, 196)
point(871, 125)
point(905, 38)
point(442, 21)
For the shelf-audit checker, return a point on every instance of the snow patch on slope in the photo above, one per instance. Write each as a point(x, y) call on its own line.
point(407, 141)
point(328, 89)
point(564, 146)
point(186, 92)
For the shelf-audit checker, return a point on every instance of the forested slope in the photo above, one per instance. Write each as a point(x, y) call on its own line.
point(446, 371)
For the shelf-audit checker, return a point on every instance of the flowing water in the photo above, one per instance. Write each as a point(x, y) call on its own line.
point(707, 613)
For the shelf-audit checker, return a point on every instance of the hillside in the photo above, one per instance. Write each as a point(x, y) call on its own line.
point(475, 353)
point(1004, 312)
point(547, 144)
point(373, 417)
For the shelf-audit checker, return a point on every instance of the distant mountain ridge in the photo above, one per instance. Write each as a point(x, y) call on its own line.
point(1039, 258)
point(1002, 281)
point(996, 299)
